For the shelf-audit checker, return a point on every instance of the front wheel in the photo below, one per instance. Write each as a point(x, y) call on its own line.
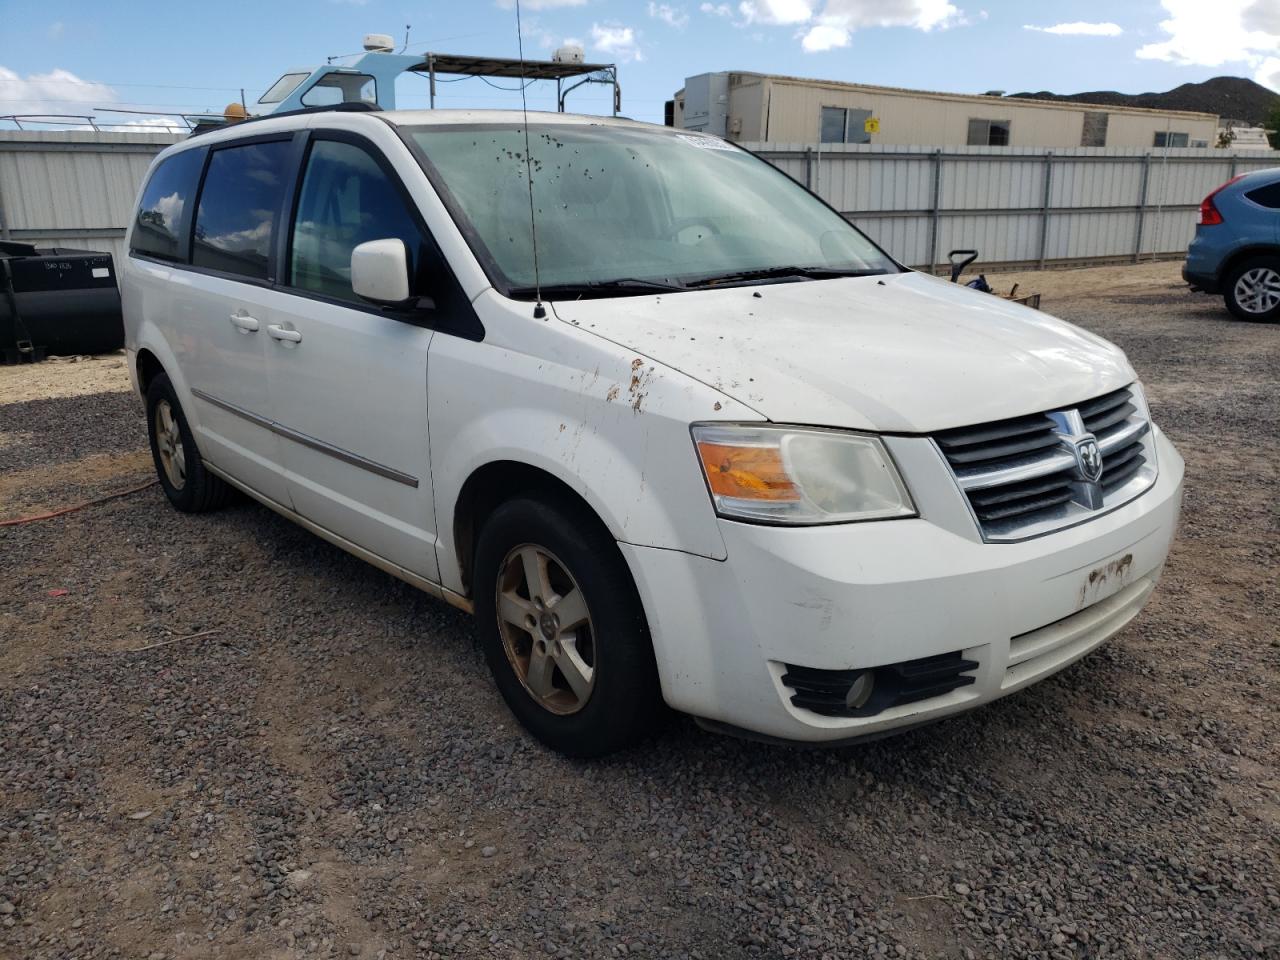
point(1252, 290)
point(562, 628)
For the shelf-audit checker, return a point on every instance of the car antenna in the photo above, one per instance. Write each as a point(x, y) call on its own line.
point(539, 311)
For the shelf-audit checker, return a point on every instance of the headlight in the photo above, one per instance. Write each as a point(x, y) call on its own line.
point(799, 475)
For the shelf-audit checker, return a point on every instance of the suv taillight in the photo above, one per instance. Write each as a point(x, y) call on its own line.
point(1210, 216)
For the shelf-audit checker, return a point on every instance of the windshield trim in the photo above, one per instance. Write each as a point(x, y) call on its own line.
point(518, 291)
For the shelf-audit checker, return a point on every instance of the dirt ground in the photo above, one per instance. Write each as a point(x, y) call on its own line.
point(222, 737)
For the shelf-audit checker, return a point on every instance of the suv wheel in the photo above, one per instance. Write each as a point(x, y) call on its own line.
point(1253, 289)
point(562, 628)
point(188, 485)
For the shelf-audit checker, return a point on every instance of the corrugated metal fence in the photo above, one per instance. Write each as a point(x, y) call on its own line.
point(1017, 206)
point(72, 188)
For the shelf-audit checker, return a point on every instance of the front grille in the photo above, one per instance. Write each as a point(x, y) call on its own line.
point(827, 691)
point(1023, 476)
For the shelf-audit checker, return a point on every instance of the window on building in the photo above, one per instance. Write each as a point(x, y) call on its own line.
point(834, 121)
point(1165, 138)
point(242, 192)
point(1094, 133)
point(346, 200)
point(841, 125)
point(988, 133)
point(155, 234)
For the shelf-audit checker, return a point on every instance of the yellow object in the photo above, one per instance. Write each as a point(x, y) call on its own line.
point(871, 125)
point(234, 113)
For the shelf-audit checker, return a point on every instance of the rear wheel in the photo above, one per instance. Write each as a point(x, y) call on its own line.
point(562, 628)
point(188, 485)
point(1252, 290)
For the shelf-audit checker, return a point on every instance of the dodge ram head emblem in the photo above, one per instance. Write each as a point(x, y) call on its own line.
point(1089, 459)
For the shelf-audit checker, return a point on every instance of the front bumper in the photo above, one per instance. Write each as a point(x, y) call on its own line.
point(855, 596)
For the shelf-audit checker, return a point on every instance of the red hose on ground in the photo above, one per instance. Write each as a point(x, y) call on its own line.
point(78, 506)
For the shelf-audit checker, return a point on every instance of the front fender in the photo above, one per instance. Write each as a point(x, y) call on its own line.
point(611, 424)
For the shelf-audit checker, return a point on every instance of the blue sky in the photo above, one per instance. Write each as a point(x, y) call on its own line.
point(67, 57)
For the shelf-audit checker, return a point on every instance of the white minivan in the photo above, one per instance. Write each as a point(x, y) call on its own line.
point(671, 427)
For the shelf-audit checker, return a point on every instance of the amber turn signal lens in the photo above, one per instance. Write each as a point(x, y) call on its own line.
point(746, 473)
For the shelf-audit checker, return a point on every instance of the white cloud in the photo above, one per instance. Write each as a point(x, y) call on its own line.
point(618, 40)
point(840, 19)
point(775, 12)
point(1268, 73)
point(1080, 28)
point(62, 92)
point(671, 16)
point(1223, 32)
point(717, 9)
point(824, 36)
point(58, 91)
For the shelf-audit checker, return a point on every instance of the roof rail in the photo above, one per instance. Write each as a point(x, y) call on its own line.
point(351, 106)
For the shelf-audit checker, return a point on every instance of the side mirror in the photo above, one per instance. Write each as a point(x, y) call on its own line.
point(380, 272)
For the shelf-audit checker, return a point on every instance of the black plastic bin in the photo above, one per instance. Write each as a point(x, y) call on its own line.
point(54, 300)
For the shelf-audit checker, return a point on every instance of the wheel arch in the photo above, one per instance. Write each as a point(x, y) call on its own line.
point(492, 484)
point(147, 367)
point(1237, 257)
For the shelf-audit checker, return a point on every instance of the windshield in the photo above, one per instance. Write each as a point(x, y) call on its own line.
point(645, 207)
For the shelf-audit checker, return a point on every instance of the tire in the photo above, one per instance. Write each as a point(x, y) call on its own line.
point(1252, 289)
point(188, 485)
point(620, 702)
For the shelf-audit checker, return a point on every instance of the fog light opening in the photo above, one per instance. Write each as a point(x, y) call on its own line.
point(860, 690)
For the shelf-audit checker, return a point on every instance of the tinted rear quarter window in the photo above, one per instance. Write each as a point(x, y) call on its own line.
point(1268, 196)
point(239, 205)
point(159, 218)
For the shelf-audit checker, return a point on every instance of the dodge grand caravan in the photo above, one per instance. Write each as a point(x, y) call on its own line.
point(667, 424)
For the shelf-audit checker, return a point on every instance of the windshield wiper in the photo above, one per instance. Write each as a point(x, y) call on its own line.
point(620, 287)
point(771, 273)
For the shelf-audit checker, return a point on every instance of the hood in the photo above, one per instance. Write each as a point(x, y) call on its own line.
point(902, 353)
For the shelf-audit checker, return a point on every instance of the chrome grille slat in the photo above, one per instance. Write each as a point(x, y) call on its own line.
point(1119, 437)
point(1096, 425)
point(1033, 474)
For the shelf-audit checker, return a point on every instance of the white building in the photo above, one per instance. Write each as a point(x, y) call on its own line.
point(757, 107)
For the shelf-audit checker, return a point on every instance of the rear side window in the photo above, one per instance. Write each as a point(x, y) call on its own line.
point(239, 204)
point(155, 231)
point(1268, 196)
point(347, 199)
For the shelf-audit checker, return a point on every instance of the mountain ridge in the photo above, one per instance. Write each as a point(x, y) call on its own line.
point(1231, 98)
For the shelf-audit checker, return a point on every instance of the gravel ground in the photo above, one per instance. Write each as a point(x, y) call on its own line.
point(325, 770)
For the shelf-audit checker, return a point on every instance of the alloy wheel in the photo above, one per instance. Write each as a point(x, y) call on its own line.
point(1258, 290)
point(173, 458)
point(546, 629)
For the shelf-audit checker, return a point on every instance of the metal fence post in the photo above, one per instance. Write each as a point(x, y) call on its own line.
point(1142, 207)
point(1235, 162)
point(1044, 208)
point(936, 212)
point(808, 168)
point(4, 220)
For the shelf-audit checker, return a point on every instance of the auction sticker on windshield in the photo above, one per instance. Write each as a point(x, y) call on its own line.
point(705, 143)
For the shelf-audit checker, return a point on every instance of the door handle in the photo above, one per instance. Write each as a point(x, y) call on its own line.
point(283, 334)
point(244, 323)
